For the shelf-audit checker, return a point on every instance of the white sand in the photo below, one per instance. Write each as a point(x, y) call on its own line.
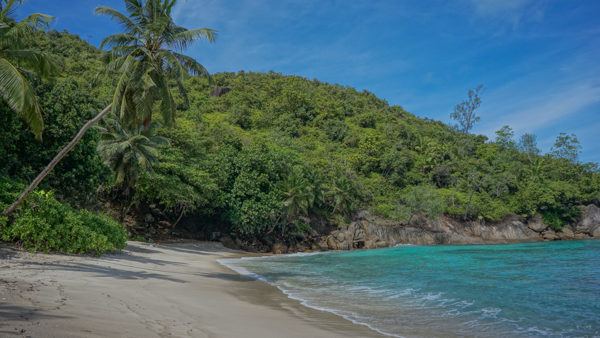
point(169, 290)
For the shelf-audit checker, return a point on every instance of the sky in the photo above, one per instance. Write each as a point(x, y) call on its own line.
point(539, 60)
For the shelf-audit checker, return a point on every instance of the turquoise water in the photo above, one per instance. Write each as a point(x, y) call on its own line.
point(518, 290)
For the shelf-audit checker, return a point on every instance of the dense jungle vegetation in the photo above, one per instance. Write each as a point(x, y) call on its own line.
point(261, 156)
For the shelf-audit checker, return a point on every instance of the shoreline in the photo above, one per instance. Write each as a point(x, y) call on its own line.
point(173, 289)
point(246, 273)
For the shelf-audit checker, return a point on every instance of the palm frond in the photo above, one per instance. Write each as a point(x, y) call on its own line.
point(134, 8)
point(42, 64)
point(17, 35)
point(192, 66)
point(38, 20)
point(127, 151)
point(6, 8)
point(130, 26)
point(20, 97)
point(118, 40)
point(167, 104)
point(182, 39)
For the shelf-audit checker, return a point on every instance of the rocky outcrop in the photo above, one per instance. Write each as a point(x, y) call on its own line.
point(589, 224)
point(549, 235)
point(536, 224)
point(279, 248)
point(566, 233)
point(368, 231)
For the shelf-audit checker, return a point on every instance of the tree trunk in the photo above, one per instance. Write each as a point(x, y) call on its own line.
point(61, 154)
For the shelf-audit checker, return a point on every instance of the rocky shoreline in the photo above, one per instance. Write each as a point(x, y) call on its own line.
point(369, 232)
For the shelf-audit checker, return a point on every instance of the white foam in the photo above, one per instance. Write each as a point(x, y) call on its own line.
point(352, 317)
point(240, 270)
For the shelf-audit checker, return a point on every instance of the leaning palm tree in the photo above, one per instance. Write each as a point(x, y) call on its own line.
point(147, 55)
point(19, 62)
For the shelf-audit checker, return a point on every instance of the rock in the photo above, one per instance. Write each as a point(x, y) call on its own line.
point(536, 224)
point(228, 242)
point(590, 219)
point(279, 248)
point(511, 229)
point(595, 232)
point(322, 244)
point(317, 247)
point(549, 235)
point(381, 244)
point(370, 231)
point(332, 244)
point(359, 235)
point(363, 214)
point(566, 233)
point(300, 248)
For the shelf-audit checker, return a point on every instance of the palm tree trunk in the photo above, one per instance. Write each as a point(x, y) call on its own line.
point(61, 154)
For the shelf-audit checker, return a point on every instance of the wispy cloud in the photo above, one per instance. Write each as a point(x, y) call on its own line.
point(511, 12)
point(309, 38)
point(543, 93)
point(540, 111)
point(495, 7)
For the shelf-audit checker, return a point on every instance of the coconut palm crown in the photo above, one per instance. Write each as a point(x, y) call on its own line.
point(128, 152)
point(148, 57)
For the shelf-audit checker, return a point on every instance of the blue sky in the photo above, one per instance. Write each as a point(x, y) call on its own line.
point(539, 60)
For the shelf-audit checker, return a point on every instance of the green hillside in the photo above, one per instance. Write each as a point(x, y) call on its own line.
point(278, 155)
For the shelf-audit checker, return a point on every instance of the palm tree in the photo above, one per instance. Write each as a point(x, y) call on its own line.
point(342, 195)
point(129, 153)
point(147, 56)
point(18, 62)
point(299, 196)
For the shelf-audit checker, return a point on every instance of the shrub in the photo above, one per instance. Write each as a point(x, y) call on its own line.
point(45, 224)
point(256, 197)
point(423, 200)
point(336, 130)
point(553, 219)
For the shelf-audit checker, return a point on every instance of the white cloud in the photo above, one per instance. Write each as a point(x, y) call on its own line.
point(510, 12)
point(551, 107)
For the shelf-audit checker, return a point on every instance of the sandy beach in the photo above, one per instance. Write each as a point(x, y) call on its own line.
point(150, 290)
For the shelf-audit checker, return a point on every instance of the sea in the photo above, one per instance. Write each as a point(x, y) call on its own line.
point(544, 289)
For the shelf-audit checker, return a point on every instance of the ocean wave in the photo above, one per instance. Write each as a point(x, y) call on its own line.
point(352, 317)
point(240, 270)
